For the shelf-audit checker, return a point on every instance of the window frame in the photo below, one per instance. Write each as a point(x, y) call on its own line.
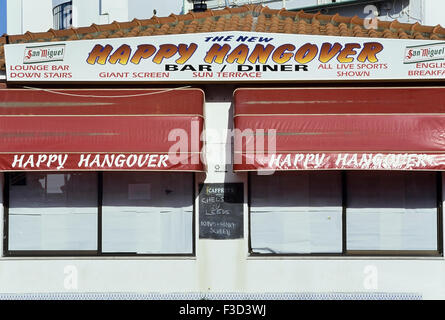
point(86, 253)
point(59, 13)
point(356, 253)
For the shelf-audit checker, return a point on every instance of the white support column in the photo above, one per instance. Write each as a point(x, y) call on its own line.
point(221, 263)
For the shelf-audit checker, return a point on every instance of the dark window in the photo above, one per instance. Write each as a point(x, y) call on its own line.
point(296, 212)
point(93, 213)
point(391, 212)
point(148, 212)
point(346, 213)
point(49, 211)
point(63, 16)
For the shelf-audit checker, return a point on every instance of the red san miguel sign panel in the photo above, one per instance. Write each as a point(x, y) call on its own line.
point(227, 56)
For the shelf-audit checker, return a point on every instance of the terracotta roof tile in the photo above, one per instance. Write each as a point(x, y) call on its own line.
point(245, 18)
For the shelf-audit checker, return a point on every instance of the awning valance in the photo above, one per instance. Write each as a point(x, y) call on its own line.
point(340, 128)
point(114, 129)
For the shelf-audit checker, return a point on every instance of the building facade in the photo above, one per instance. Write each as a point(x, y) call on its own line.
point(132, 166)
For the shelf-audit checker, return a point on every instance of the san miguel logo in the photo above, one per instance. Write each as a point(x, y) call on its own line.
point(44, 54)
point(425, 53)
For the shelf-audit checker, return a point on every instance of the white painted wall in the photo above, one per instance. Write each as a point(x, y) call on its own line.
point(433, 12)
point(142, 9)
point(57, 2)
point(116, 10)
point(426, 12)
point(28, 15)
point(86, 13)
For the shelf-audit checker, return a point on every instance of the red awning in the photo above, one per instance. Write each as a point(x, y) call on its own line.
point(340, 128)
point(113, 129)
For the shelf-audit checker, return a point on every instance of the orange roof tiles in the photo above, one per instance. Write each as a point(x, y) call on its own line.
point(246, 18)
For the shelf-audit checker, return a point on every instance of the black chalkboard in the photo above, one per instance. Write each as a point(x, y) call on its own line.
point(221, 210)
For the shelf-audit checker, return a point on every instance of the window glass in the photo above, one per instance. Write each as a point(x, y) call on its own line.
point(296, 212)
point(147, 212)
point(62, 16)
point(391, 211)
point(52, 211)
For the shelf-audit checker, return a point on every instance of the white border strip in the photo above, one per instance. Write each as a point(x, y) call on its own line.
point(212, 296)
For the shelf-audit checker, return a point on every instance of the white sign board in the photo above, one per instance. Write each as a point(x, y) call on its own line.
point(226, 56)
